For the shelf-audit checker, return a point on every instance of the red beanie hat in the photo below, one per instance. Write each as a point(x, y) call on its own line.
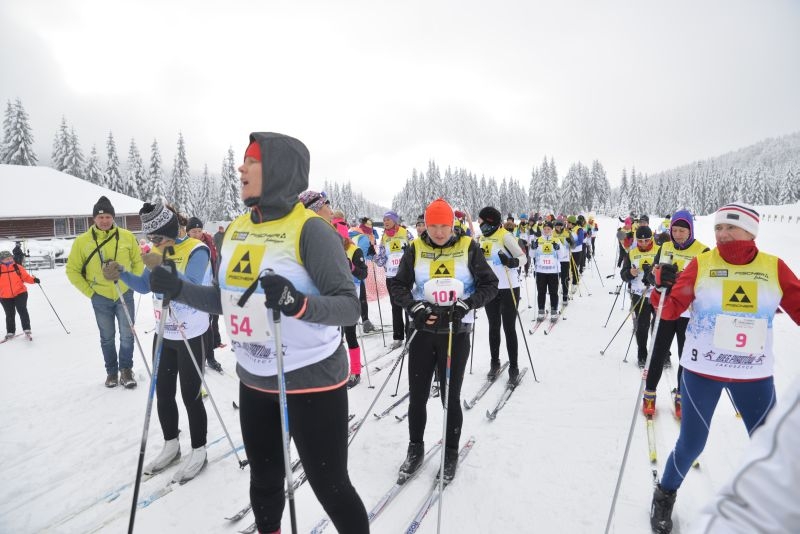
point(439, 212)
point(253, 151)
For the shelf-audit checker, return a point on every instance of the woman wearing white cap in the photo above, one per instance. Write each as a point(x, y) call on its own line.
point(734, 291)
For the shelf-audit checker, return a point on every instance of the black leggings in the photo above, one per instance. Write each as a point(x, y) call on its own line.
point(318, 425)
point(428, 351)
point(175, 361)
point(547, 283)
point(666, 331)
point(20, 304)
point(501, 309)
point(362, 297)
point(398, 321)
point(642, 317)
point(564, 276)
point(350, 336)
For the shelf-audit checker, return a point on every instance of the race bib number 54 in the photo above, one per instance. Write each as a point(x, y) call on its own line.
point(246, 324)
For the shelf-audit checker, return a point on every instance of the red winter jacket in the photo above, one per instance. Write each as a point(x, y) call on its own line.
point(12, 280)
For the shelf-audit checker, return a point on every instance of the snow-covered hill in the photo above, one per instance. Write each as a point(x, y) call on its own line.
point(549, 463)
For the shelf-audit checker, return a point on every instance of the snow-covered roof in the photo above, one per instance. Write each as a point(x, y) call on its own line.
point(46, 192)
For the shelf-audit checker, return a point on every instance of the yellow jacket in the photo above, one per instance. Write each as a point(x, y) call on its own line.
point(84, 267)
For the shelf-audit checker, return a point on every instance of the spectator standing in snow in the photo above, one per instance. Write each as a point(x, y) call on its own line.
point(19, 255)
point(14, 294)
point(91, 250)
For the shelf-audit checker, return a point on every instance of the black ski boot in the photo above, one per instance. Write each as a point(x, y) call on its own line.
point(494, 368)
point(450, 464)
point(416, 453)
point(513, 374)
point(661, 510)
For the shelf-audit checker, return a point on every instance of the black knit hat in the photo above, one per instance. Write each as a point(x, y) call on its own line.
point(194, 222)
point(644, 232)
point(490, 215)
point(103, 206)
point(158, 220)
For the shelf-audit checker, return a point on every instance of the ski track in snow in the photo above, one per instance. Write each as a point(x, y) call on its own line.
point(549, 462)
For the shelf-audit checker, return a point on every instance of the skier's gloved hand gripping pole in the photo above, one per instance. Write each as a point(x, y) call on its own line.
point(662, 289)
point(242, 463)
point(169, 270)
point(51, 306)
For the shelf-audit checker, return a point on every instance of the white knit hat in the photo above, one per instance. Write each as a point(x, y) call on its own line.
point(738, 214)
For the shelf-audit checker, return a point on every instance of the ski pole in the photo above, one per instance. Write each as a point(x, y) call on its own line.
point(150, 394)
point(378, 300)
point(636, 408)
point(619, 288)
point(366, 362)
point(444, 418)
point(600, 276)
point(138, 307)
point(735, 409)
point(128, 317)
point(391, 371)
point(633, 308)
point(575, 274)
point(242, 463)
point(622, 306)
point(521, 327)
point(472, 344)
point(287, 461)
point(52, 308)
point(397, 387)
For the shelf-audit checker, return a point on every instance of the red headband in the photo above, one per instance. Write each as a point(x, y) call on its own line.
point(253, 151)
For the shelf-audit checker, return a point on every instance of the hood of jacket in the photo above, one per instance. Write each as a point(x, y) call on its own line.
point(284, 175)
point(683, 215)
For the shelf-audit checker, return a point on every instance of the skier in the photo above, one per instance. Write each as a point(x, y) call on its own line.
point(19, 255)
point(101, 243)
point(282, 252)
point(394, 241)
point(734, 291)
point(194, 227)
point(439, 257)
point(638, 263)
point(548, 267)
point(192, 260)
point(625, 240)
point(576, 249)
point(14, 294)
point(524, 233)
point(505, 256)
point(363, 242)
point(679, 250)
point(563, 254)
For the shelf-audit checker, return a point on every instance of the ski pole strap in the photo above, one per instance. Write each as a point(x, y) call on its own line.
point(251, 288)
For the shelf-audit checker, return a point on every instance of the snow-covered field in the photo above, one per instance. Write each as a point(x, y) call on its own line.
point(549, 463)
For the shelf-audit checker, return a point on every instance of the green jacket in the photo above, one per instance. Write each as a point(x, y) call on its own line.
point(122, 247)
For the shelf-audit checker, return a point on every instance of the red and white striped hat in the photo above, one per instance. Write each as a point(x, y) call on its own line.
point(738, 214)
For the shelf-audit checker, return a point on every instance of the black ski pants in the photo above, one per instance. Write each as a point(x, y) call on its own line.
point(547, 283)
point(399, 325)
point(427, 352)
point(501, 309)
point(666, 331)
point(318, 425)
point(362, 297)
point(18, 304)
point(642, 317)
point(564, 276)
point(175, 362)
point(351, 337)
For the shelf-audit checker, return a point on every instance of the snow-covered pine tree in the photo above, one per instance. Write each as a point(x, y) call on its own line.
point(93, 173)
point(17, 147)
point(229, 202)
point(203, 196)
point(551, 189)
point(135, 173)
point(536, 188)
point(624, 193)
point(113, 175)
point(58, 159)
point(181, 186)
point(570, 190)
point(156, 186)
point(600, 187)
point(74, 160)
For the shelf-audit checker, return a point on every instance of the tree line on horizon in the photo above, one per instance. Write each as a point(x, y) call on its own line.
point(767, 172)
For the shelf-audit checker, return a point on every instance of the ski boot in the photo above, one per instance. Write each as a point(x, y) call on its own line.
point(661, 510)
point(676, 400)
point(169, 454)
point(212, 363)
point(353, 381)
point(553, 315)
point(416, 453)
point(450, 465)
point(540, 316)
point(367, 326)
point(513, 374)
point(396, 344)
point(192, 466)
point(649, 403)
point(494, 368)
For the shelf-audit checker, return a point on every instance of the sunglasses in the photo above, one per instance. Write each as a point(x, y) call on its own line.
point(157, 239)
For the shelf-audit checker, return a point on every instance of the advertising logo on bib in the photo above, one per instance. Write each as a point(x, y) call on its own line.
point(244, 267)
point(739, 296)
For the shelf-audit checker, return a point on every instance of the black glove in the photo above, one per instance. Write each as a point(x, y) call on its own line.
point(556, 246)
point(165, 280)
point(664, 275)
point(570, 241)
point(647, 275)
point(534, 245)
point(371, 251)
point(462, 307)
point(420, 312)
point(36, 280)
point(511, 263)
point(281, 294)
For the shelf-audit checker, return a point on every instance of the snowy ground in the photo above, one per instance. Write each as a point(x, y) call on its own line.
point(69, 446)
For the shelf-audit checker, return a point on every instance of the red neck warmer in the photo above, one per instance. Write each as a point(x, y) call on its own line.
point(391, 232)
point(738, 252)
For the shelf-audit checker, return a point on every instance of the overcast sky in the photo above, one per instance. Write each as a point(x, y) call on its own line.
point(377, 88)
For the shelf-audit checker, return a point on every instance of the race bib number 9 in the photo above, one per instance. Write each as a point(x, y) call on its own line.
point(443, 291)
point(740, 334)
point(247, 324)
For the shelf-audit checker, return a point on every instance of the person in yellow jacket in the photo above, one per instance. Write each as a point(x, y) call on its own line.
point(105, 242)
